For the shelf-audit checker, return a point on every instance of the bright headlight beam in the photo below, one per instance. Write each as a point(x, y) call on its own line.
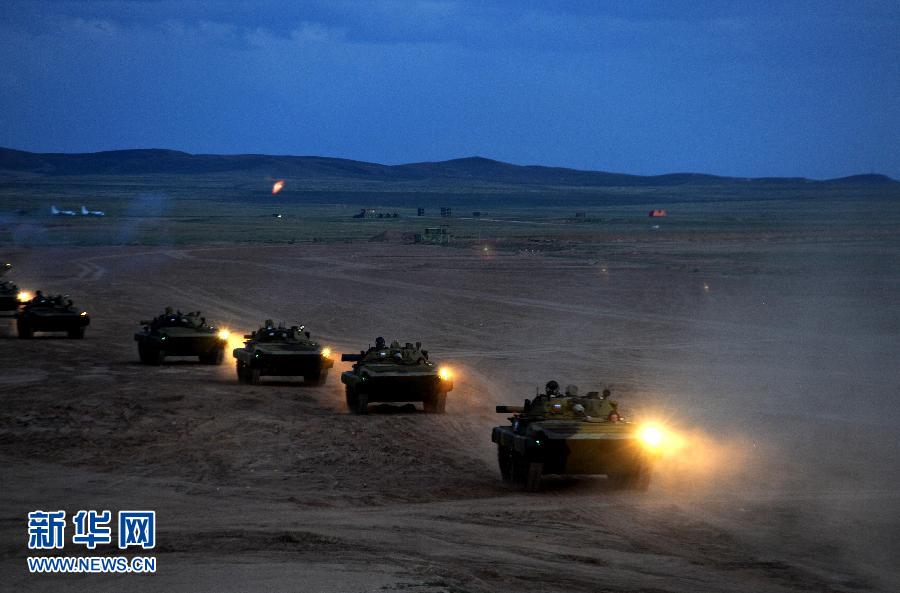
point(444, 373)
point(651, 436)
point(223, 334)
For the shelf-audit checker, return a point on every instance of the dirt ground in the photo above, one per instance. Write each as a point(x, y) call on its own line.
point(775, 363)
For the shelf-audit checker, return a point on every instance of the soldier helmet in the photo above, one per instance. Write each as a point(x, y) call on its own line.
point(606, 393)
point(572, 390)
point(379, 342)
point(169, 310)
point(552, 387)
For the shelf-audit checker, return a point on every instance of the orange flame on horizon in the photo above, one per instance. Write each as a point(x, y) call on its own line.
point(277, 187)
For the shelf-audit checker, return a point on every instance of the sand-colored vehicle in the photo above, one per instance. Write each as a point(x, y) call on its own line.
point(51, 314)
point(180, 334)
point(567, 435)
point(395, 373)
point(9, 292)
point(282, 352)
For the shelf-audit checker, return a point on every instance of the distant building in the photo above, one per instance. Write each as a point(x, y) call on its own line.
point(658, 213)
point(445, 212)
point(420, 212)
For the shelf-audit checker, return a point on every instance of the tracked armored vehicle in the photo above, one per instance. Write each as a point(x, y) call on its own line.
point(9, 292)
point(180, 334)
point(51, 314)
point(282, 352)
point(568, 435)
point(395, 373)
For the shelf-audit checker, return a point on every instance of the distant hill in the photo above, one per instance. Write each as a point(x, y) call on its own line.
point(476, 170)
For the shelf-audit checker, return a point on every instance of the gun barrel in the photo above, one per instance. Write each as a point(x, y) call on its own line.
point(351, 357)
point(146, 322)
point(510, 409)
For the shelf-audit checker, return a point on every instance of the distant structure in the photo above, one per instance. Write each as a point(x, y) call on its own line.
point(372, 213)
point(420, 212)
point(434, 235)
point(478, 214)
point(658, 213)
point(445, 212)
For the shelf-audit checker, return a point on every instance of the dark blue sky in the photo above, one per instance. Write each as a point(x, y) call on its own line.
point(738, 88)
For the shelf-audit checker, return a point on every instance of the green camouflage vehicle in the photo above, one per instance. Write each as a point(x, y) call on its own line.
point(9, 292)
point(178, 334)
point(564, 434)
point(395, 374)
point(51, 314)
point(282, 352)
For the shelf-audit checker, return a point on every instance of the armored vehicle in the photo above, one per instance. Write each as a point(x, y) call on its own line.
point(180, 334)
point(9, 292)
point(564, 434)
point(395, 373)
point(282, 352)
point(51, 314)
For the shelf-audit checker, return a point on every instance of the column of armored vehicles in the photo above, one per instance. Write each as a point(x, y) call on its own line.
point(555, 433)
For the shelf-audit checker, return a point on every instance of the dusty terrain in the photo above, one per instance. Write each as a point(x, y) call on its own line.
point(775, 360)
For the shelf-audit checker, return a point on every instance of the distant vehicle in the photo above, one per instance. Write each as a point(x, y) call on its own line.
point(282, 352)
point(178, 334)
point(51, 314)
point(395, 374)
point(564, 434)
point(9, 292)
point(86, 212)
point(57, 212)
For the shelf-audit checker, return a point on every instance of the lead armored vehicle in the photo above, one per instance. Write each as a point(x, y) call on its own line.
point(51, 314)
point(283, 352)
point(564, 434)
point(9, 292)
point(180, 334)
point(395, 373)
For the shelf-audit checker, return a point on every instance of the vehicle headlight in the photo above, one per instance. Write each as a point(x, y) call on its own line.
point(326, 352)
point(84, 313)
point(651, 436)
point(24, 296)
point(445, 374)
point(223, 334)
